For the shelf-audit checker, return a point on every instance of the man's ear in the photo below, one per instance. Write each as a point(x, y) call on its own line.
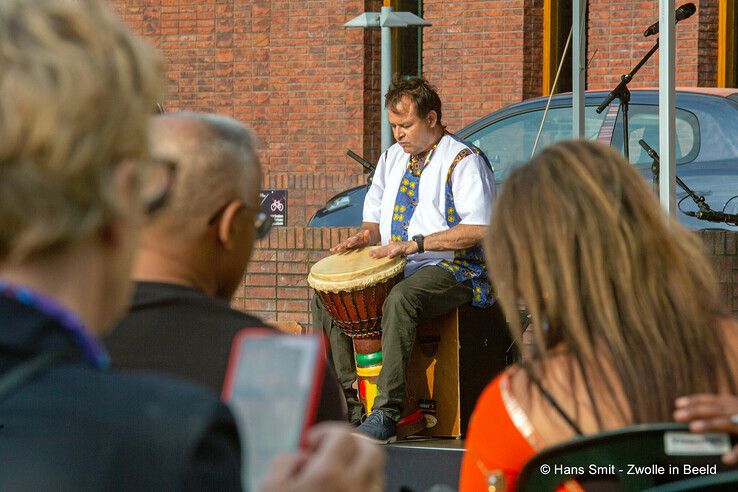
point(432, 118)
point(227, 224)
point(125, 194)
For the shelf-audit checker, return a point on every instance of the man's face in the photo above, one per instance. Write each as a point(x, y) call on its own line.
point(413, 133)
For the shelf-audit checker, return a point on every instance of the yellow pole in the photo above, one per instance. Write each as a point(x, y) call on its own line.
point(726, 44)
point(722, 38)
point(548, 48)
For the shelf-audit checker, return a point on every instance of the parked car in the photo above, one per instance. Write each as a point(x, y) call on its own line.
point(706, 145)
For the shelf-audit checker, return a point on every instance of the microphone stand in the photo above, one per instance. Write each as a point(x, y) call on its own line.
point(366, 164)
point(697, 199)
point(622, 93)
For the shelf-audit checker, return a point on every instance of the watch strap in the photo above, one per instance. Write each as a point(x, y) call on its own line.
point(420, 240)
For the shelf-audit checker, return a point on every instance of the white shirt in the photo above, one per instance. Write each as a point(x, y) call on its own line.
point(472, 184)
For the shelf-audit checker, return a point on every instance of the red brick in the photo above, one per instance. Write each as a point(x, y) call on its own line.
point(296, 268)
point(259, 305)
point(294, 292)
point(294, 316)
point(262, 267)
point(285, 305)
point(292, 256)
point(252, 292)
point(260, 279)
point(292, 280)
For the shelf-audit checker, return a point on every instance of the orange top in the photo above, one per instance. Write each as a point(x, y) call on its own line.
point(500, 440)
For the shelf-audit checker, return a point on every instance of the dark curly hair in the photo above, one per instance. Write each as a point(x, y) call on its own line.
point(420, 92)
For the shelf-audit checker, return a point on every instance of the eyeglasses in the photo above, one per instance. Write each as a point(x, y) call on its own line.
point(156, 180)
point(262, 223)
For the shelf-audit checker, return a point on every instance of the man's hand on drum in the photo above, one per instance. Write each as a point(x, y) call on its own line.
point(334, 460)
point(710, 413)
point(358, 240)
point(395, 248)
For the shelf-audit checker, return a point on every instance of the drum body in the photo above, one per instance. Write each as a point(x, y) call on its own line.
point(353, 287)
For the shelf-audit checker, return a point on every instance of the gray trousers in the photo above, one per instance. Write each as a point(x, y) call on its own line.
point(428, 293)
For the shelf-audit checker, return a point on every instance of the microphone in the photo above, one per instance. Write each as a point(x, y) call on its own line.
point(683, 12)
point(715, 216)
point(651, 153)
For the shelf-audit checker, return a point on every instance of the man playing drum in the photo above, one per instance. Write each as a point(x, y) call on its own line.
point(430, 201)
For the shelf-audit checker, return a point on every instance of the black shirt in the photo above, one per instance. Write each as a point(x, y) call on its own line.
point(180, 330)
point(75, 426)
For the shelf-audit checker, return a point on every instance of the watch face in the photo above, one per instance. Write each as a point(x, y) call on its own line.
point(419, 241)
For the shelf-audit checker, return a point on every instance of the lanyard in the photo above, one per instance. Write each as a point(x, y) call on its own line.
point(92, 350)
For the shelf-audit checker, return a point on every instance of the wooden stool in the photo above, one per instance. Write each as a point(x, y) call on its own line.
point(454, 358)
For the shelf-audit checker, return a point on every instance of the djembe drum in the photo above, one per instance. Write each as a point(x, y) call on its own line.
point(353, 287)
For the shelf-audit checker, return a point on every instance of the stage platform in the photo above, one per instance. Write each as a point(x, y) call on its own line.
point(418, 464)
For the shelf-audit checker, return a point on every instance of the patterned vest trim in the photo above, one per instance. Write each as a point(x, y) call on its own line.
point(468, 264)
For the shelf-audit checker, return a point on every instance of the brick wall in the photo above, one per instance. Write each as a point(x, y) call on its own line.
point(616, 44)
point(289, 69)
point(480, 55)
point(533, 52)
point(275, 286)
point(722, 248)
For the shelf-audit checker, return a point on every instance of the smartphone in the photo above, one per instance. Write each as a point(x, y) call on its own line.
point(272, 387)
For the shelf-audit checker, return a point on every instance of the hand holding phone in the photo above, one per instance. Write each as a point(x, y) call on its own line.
point(272, 386)
point(334, 460)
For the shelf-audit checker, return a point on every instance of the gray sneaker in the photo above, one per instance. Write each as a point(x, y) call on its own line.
point(379, 426)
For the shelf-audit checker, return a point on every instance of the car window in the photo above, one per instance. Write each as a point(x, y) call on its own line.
point(509, 142)
point(643, 123)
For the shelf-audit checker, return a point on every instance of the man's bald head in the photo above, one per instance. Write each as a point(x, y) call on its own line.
point(216, 162)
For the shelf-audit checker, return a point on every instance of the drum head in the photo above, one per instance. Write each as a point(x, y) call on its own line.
point(353, 270)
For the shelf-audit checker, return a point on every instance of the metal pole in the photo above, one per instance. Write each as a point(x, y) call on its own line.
point(578, 66)
point(667, 108)
point(386, 130)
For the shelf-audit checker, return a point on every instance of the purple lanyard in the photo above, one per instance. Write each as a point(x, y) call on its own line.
point(92, 350)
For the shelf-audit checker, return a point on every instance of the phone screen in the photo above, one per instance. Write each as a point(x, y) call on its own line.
point(272, 388)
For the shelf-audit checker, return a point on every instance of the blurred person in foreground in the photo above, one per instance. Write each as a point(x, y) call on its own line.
point(193, 254)
point(625, 305)
point(76, 90)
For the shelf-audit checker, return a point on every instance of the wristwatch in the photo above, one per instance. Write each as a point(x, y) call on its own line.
point(419, 238)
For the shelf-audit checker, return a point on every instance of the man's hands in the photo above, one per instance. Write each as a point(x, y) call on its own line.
point(358, 240)
point(710, 413)
point(367, 235)
point(395, 248)
point(363, 238)
point(335, 460)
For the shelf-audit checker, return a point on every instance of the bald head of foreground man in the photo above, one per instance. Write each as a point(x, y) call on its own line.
point(204, 236)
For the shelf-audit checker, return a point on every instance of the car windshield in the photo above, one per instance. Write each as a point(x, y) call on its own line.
point(508, 143)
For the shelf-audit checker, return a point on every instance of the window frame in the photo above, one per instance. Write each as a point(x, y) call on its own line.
point(397, 49)
point(553, 22)
point(727, 69)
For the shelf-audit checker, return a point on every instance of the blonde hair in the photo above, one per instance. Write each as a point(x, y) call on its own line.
point(580, 240)
point(76, 92)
